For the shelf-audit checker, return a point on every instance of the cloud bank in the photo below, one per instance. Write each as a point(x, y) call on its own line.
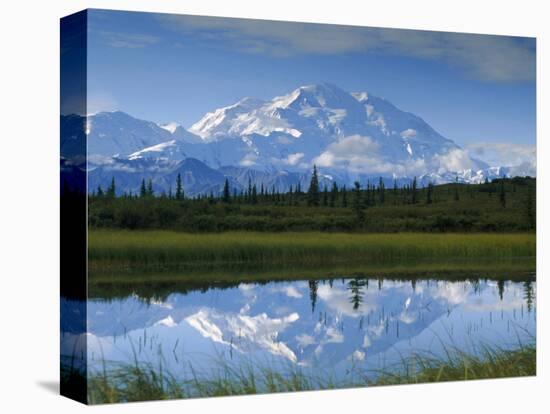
point(484, 57)
point(504, 153)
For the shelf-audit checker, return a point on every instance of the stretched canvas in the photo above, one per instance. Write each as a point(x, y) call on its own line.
point(257, 206)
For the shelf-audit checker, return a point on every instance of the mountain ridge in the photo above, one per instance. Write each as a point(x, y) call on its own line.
point(349, 136)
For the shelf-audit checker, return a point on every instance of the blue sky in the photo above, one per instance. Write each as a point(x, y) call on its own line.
point(474, 89)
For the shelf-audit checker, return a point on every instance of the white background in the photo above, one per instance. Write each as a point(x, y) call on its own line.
point(29, 262)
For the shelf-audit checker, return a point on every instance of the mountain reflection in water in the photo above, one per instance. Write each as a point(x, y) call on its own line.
point(334, 326)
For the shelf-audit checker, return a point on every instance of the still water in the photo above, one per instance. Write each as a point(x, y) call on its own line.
point(338, 327)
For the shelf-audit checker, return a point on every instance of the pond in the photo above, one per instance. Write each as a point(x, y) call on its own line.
point(337, 328)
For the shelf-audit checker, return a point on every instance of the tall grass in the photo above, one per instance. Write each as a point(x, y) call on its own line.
point(116, 249)
point(490, 363)
point(141, 382)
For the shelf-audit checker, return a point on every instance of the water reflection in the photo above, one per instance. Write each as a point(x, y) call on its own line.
point(323, 325)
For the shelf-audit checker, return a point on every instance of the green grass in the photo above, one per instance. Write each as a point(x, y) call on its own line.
point(143, 382)
point(111, 250)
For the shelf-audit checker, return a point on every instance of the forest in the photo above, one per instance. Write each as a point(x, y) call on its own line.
point(501, 205)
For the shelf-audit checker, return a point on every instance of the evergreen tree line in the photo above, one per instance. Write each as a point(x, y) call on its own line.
point(502, 204)
point(361, 197)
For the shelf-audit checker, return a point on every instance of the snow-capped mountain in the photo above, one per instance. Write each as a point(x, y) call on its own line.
point(119, 134)
point(349, 136)
point(335, 129)
point(197, 177)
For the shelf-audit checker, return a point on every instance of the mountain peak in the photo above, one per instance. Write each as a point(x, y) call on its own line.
point(112, 114)
point(323, 87)
point(212, 122)
point(248, 102)
point(362, 97)
point(348, 136)
point(170, 127)
point(321, 95)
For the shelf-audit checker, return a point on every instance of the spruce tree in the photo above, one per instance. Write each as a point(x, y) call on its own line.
point(150, 191)
point(313, 293)
point(501, 286)
point(429, 194)
point(531, 213)
point(382, 191)
point(179, 188)
point(368, 200)
point(226, 194)
point(528, 294)
point(358, 205)
point(254, 197)
point(249, 194)
point(344, 197)
point(333, 194)
point(111, 190)
point(143, 189)
point(414, 190)
point(290, 196)
point(502, 194)
point(355, 286)
point(313, 191)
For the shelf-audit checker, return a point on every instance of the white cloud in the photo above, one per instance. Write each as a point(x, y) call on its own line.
point(282, 39)
point(484, 57)
point(455, 160)
point(333, 336)
point(503, 153)
point(352, 145)
point(514, 299)
point(326, 159)
point(358, 355)
point(249, 160)
point(337, 299)
point(359, 154)
point(294, 159)
point(291, 159)
point(353, 151)
point(128, 40)
point(305, 340)
point(366, 341)
point(408, 133)
point(407, 317)
point(290, 291)
point(451, 293)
